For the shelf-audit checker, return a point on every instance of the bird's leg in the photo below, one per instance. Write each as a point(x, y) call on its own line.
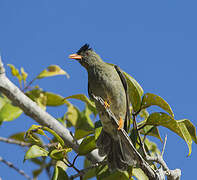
point(106, 104)
point(120, 123)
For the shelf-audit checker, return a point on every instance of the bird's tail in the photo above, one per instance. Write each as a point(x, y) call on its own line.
point(115, 150)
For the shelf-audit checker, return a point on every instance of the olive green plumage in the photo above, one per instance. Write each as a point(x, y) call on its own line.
point(108, 82)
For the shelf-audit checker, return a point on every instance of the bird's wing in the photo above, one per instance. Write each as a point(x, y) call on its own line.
point(90, 92)
point(124, 83)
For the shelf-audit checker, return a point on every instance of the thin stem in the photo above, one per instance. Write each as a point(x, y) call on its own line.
point(13, 141)
point(15, 168)
point(164, 145)
point(29, 84)
point(141, 127)
point(83, 171)
point(75, 159)
point(138, 134)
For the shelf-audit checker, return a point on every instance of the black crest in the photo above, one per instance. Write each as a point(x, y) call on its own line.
point(84, 48)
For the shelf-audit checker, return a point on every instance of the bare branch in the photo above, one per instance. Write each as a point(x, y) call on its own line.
point(24, 144)
point(84, 171)
point(141, 163)
point(137, 158)
point(31, 109)
point(164, 146)
point(13, 141)
point(15, 168)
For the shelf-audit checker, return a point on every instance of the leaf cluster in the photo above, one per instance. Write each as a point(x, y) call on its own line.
point(85, 130)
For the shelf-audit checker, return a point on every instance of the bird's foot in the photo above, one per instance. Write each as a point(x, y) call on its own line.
point(120, 123)
point(106, 104)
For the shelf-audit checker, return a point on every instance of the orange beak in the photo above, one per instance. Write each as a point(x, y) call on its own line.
point(75, 56)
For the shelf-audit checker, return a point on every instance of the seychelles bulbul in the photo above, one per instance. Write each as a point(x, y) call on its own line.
point(108, 82)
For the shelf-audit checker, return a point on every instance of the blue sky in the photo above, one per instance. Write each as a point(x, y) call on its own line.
point(154, 41)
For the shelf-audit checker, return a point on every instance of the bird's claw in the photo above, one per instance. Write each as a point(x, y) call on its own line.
point(120, 123)
point(106, 104)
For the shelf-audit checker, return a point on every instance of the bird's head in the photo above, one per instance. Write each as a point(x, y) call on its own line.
point(86, 56)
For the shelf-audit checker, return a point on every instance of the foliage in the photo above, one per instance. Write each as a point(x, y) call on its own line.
point(81, 124)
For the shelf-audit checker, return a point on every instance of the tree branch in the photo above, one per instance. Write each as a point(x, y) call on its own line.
point(13, 141)
point(24, 144)
point(137, 158)
point(32, 110)
point(84, 171)
point(15, 168)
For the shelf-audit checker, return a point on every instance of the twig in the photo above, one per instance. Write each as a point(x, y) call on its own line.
point(29, 84)
point(69, 164)
point(75, 159)
point(31, 109)
point(137, 158)
point(74, 139)
point(24, 144)
point(15, 168)
point(84, 171)
point(138, 134)
point(164, 146)
point(13, 141)
point(152, 174)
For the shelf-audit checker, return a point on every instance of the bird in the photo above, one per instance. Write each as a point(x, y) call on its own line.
point(108, 82)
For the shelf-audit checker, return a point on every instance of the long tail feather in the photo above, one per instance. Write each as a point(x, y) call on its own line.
point(117, 156)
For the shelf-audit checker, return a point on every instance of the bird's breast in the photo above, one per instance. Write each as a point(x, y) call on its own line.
point(106, 83)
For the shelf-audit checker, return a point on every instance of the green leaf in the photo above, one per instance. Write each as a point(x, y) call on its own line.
point(80, 133)
point(191, 128)
point(144, 114)
point(38, 161)
point(35, 93)
point(8, 112)
point(33, 139)
point(98, 129)
point(85, 117)
point(59, 139)
point(38, 96)
point(18, 136)
point(87, 145)
point(54, 99)
point(59, 154)
point(148, 129)
point(37, 172)
point(117, 175)
point(85, 99)
point(137, 85)
point(151, 131)
point(36, 129)
point(31, 134)
point(15, 72)
point(139, 174)
point(46, 98)
point(184, 128)
point(102, 171)
point(52, 70)
point(152, 99)
point(35, 151)
point(59, 174)
point(135, 92)
point(72, 114)
point(24, 75)
point(152, 147)
point(84, 124)
point(91, 172)
point(105, 174)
